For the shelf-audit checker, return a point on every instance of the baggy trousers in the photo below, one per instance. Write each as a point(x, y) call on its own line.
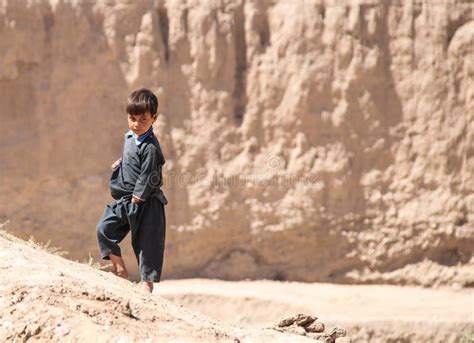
point(147, 223)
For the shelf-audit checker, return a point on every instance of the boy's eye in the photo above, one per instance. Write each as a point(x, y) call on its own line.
point(140, 118)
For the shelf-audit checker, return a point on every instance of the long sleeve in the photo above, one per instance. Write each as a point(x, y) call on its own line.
point(150, 177)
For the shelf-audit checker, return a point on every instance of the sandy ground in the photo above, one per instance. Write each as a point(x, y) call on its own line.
point(45, 297)
point(369, 312)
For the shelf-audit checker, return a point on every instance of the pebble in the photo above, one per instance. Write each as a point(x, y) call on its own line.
point(337, 331)
point(315, 327)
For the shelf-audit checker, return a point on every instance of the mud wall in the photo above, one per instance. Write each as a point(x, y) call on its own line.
point(305, 140)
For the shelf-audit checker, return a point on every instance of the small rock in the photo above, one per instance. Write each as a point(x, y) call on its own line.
point(286, 322)
point(297, 330)
point(315, 327)
point(323, 337)
point(343, 340)
point(300, 319)
point(337, 331)
point(32, 329)
point(303, 320)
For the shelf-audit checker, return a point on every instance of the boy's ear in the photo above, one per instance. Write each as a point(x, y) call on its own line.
point(155, 116)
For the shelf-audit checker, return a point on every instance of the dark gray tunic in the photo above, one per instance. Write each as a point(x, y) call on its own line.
point(138, 174)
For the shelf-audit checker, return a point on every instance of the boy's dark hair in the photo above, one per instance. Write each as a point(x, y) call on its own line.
point(142, 101)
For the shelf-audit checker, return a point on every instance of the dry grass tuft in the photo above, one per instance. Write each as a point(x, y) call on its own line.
point(31, 242)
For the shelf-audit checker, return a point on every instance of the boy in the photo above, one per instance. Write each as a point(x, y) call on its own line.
point(139, 204)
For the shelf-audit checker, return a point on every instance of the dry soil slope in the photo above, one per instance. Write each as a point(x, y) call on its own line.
point(48, 298)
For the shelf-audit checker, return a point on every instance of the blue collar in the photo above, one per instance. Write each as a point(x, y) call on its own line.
point(139, 140)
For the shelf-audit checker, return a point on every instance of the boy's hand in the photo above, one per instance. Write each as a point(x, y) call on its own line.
point(115, 164)
point(136, 200)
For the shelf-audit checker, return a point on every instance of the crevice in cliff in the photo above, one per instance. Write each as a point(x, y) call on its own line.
point(264, 31)
point(240, 75)
point(322, 11)
point(184, 20)
point(48, 26)
point(455, 24)
point(48, 23)
point(164, 29)
point(261, 25)
point(392, 105)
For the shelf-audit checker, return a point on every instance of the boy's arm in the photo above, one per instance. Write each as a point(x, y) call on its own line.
point(116, 163)
point(150, 175)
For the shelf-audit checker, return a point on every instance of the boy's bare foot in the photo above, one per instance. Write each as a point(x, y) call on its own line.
point(119, 266)
point(147, 286)
point(122, 273)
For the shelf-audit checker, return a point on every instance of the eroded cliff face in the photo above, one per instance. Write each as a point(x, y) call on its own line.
point(305, 140)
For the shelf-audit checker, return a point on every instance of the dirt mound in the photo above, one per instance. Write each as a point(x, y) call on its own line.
point(48, 298)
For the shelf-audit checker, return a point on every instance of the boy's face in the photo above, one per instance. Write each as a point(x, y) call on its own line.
point(140, 123)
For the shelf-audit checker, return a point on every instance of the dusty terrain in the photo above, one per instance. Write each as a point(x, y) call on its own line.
point(312, 140)
point(370, 313)
point(305, 140)
point(48, 298)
